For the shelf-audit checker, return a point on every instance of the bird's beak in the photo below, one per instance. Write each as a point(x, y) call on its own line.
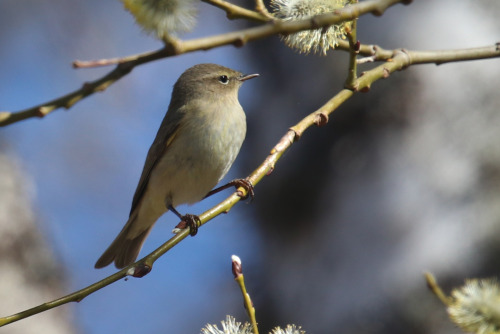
point(245, 77)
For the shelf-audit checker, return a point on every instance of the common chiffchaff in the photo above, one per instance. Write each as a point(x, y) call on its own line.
point(197, 142)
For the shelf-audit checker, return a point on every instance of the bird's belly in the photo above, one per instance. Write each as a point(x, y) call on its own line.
point(189, 169)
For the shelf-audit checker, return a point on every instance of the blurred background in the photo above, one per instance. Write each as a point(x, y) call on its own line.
point(403, 179)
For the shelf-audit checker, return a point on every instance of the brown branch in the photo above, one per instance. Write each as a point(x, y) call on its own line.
point(66, 101)
point(416, 57)
point(401, 60)
point(436, 289)
point(238, 38)
point(446, 56)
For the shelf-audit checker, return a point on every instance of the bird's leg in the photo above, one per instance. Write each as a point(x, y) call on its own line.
point(244, 183)
point(193, 221)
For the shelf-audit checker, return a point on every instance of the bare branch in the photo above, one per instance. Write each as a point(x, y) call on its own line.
point(237, 38)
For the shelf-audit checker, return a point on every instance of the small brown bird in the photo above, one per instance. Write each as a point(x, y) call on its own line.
point(197, 143)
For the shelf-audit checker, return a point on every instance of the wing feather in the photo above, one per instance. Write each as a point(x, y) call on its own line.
point(164, 138)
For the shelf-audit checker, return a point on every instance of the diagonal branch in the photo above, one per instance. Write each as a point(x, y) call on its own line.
point(401, 60)
point(237, 38)
point(88, 88)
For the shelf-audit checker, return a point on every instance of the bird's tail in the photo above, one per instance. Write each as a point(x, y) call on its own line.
point(124, 249)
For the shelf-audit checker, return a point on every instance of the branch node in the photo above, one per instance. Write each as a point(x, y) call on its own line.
point(365, 89)
point(296, 135)
point(356, 47)
point(240, 41)
point(314, 23)
point(354, 88)
point(321, 119)
point(43, 111)
point(408, 56)
point(261, 9)
point(172, 46)
point(125, 67)
point(386, 72)
point(87, 88)
point(289, 138)
point(139, 270)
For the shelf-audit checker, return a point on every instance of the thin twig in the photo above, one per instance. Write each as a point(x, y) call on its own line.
point(239, 38)
point(74, 297)
point(262, 9)
point(365, 60)
point(368, 50)
point(237, 269)
point(237, 12)
point(436, 289)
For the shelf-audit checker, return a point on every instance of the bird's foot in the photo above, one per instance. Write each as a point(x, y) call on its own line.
point(245, 184)
point(193, 221)
point(187, 220)
point(237, 183)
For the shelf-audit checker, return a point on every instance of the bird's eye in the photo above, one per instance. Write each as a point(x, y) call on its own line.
point(224, 79)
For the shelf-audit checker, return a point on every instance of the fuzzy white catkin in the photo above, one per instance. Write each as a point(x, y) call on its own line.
point(290, 329)
point(476, 306)
point(318, 40)
point(229, 326)
point(163, 17)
